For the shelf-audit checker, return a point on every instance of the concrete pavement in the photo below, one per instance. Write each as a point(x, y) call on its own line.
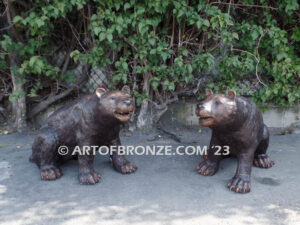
point(164, 190)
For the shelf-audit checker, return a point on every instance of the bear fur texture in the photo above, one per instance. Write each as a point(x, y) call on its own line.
point(92, 121)
point(237, 125)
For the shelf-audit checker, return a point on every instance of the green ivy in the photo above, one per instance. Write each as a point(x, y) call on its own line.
point(176, 42)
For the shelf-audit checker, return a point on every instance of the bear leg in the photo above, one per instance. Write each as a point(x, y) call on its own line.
point(44, 154)
point(261, 159)
point(87, 174)
point(211, 162)
point(240, 183)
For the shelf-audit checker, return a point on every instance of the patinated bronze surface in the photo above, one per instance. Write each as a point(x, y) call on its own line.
point(92, 121)
point(237, 123)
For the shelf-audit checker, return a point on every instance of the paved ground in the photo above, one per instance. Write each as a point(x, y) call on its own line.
point(165, 189)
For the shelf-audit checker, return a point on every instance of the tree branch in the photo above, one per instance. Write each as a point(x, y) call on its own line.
point(43, 105)
point(243, 5)
point(256, 57)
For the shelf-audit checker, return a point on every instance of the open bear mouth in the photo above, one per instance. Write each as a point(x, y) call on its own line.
point(206, 120)
point(205, 117)
point(123, 115)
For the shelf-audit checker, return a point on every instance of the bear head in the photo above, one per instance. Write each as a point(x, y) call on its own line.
point(217, 110)
point(118, 104)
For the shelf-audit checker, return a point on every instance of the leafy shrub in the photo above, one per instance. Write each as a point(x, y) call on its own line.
point(162, 46)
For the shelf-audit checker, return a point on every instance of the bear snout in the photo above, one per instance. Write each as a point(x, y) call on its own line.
point(127, 102)
point(200, 107)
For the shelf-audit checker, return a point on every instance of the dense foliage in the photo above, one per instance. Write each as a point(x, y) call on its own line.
point(161, 47)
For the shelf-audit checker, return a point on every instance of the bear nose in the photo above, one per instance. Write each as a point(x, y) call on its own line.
point(127, 102)
point(201, 107)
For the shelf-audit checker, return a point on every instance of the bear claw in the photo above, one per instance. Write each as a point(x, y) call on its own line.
point(122, 165)
point(239, 185)
point(50, 173)
point(263, 161)
point(207, 169)
point(91, 177)
point(128, 168)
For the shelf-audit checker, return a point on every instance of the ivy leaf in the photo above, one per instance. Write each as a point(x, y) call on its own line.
point(254, 35)
point(235, 35)
point(17, 19)
point(125, 66)
point(75, 55)
point(109, 37)
point(126, 6)
point(206, 23)
point(40, 22)
point(199, 24)
point(152, 41)
point(171, 86)
point(155, 84)
point(102, 36)
point(97, 30)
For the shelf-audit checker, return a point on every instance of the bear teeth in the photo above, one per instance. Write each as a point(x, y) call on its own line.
point(123, 114)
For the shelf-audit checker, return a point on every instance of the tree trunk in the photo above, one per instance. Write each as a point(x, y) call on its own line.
point(19, 103)
point(144, 119)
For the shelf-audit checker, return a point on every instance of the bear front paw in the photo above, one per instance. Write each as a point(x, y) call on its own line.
point(128, 168)
point(207, 168)
point(263, 161)
point(50, 173)
point(239, 184)
point(122, 165)
point(90, 177)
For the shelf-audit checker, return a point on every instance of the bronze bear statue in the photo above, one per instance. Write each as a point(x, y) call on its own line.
point(92, 121)
point(236, 124)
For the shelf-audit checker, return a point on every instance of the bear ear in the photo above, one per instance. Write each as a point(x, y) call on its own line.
point(232, 94)
point(100, 92)
point(209, 92)
point(126, 89)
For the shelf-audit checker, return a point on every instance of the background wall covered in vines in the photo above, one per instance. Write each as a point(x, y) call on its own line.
point(163, 49)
